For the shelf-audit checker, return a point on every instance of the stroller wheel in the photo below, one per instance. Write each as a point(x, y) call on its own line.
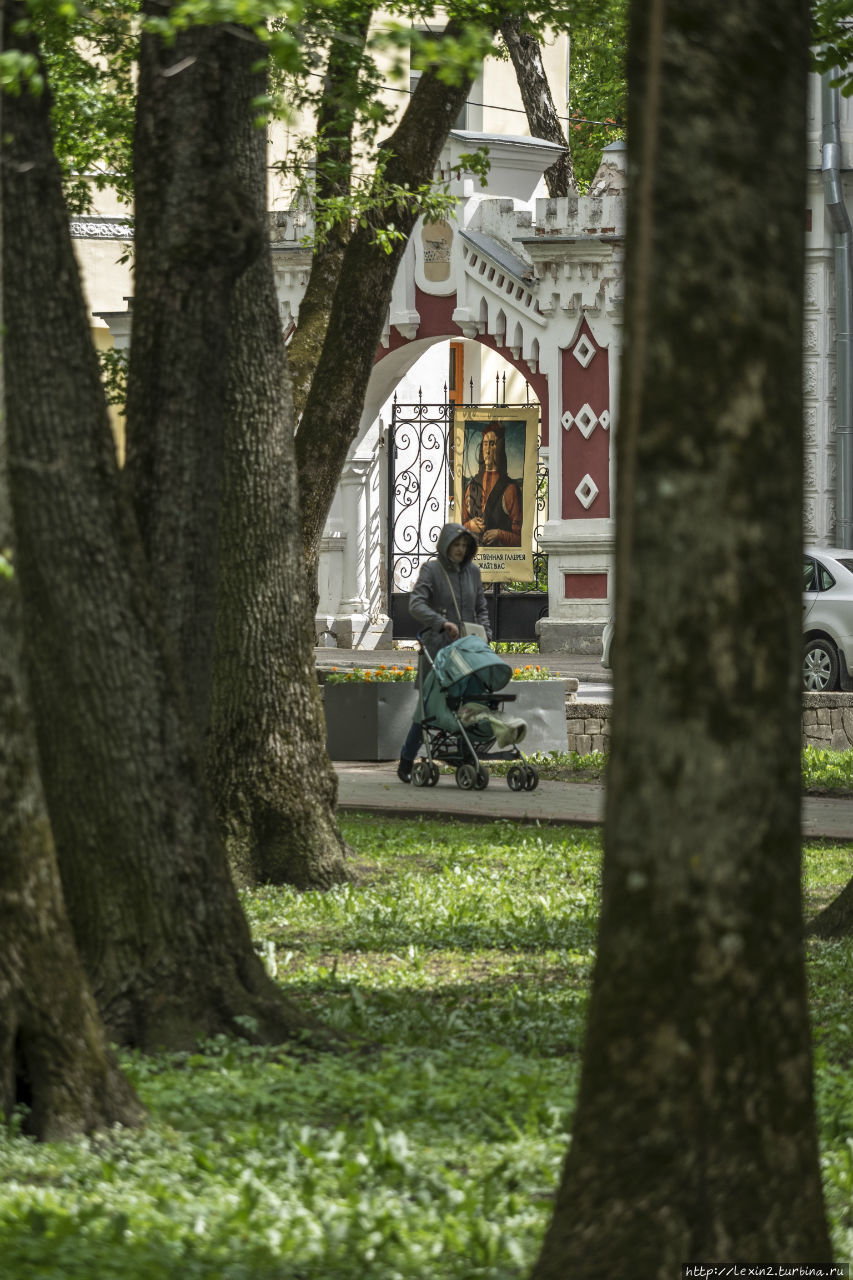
point(516, 777)
point(482, 778)
point(433, 775)
point(532, 781)
point(466, 777)
point(421, 773)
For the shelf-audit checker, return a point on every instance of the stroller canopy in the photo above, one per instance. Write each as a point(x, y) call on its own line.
point(466, 669)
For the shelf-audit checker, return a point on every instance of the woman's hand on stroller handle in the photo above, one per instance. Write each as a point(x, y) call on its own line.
point(451, 629)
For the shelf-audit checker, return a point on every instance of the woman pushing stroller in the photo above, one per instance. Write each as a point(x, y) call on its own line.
point(448, 593)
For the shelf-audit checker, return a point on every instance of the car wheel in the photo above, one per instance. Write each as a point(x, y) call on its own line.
point(820, 666)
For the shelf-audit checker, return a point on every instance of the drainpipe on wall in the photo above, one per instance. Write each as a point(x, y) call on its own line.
point(833, 189)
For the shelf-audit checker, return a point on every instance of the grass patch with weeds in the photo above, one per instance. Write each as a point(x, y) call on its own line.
point(827, 771)
point(823, 772)
point(429, 1149)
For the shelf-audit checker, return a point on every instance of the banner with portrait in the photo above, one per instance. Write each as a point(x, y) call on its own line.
point(495, 452)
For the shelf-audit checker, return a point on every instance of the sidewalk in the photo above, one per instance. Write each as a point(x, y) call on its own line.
point(375, 788)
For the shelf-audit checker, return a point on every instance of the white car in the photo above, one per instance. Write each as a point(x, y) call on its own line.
point(827, 619)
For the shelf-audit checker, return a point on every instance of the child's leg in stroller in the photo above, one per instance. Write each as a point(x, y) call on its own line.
point(410, 749)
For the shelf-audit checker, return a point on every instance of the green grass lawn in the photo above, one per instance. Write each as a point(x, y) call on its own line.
point(823, 772)
point(459, 963)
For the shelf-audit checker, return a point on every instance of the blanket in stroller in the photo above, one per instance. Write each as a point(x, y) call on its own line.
point(487, 725)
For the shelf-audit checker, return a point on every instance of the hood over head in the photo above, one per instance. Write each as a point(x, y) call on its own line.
point(449, 533)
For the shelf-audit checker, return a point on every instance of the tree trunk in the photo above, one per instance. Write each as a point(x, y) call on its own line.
point(694, 1137)
point(54, 1057)
point(155, 915)
point(195, 230)
point(335, 123)
point(273, 784)
point(836, 918)
point(538, 102)
point(332, 411)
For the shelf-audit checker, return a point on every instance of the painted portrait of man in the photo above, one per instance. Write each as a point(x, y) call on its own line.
point(491, 504)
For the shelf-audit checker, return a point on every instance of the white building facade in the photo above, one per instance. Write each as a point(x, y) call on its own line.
point(519, 298)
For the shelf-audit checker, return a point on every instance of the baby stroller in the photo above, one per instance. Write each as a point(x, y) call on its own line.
point(461, 714)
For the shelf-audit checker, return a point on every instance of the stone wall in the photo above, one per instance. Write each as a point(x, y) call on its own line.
point(827, 723)
point(588, 726)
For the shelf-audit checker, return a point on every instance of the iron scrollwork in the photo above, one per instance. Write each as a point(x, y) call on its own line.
point(420, 461)
point(419, 485)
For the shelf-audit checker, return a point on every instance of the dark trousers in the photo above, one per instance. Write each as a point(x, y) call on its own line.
point(414, 738)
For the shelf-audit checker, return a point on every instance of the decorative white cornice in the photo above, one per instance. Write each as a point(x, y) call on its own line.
point(578, 274)
point(102, 228)
point(495, 270)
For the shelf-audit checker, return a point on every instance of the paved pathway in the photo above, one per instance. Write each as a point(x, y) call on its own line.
point(375, 788)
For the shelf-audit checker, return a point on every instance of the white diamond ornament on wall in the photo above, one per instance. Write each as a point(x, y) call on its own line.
point(586, 420)
point(583, 351)
point(586, 492)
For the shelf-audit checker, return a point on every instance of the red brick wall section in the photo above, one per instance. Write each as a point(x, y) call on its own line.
point(585, 456)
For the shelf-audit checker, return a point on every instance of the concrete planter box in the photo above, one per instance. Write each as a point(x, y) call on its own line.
point(367, 720)
point(542, 703)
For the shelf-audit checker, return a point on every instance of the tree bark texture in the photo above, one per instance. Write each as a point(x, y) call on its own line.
point(526, 56)
point(195, 231)
point(694, 1137)
point(54, 1056)
point(836, 918)
point(335, 123)
point(332, 411)
point(155, 914)
point(272, 783)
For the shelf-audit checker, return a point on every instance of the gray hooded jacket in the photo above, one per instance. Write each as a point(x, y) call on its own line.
point(448, 592)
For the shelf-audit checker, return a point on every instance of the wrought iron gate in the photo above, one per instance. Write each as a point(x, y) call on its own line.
point(420, 501)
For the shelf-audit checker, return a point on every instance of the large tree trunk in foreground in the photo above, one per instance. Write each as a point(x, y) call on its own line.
point(332, 411)
point(54, 1056)
point(694, 1138)
point(155, 914)
point(538, 102)
point(273, 785)
point(195, 231)
point(335, 124)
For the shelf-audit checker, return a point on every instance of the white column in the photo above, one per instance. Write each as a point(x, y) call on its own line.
point(354, 484)
point(353, 618)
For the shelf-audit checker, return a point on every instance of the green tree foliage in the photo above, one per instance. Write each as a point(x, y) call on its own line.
point(597, 86)
point(833, 39)
point(89, 55)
